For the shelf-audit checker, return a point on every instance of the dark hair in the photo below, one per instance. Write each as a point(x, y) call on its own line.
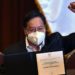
point(33, 14)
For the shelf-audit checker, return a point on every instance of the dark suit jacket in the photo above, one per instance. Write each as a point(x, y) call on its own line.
point(69, 42)
point(52, 43)
point(25, 62)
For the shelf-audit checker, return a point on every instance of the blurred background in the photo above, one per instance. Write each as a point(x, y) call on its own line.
point(59, 18)
point(11, 17)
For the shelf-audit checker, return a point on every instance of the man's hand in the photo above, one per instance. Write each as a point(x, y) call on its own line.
point(72, 6)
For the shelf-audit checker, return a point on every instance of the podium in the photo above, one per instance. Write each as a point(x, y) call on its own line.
point(70, 64)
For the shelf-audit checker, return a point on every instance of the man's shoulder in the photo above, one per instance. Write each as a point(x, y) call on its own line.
point(54, 38)
point(55, 35)
point(54, 42)
point(15, 48)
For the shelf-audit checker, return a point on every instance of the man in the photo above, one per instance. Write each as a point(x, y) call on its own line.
point(37, 36)
point(21, 57)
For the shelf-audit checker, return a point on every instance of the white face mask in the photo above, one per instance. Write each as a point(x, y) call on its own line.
point(36, 37)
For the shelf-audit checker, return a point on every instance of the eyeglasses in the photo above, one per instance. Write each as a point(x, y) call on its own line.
point(36, 29)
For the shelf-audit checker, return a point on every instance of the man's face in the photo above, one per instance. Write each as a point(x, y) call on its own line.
point(35, 24)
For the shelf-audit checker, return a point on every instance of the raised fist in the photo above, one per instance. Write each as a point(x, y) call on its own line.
point(72, 6)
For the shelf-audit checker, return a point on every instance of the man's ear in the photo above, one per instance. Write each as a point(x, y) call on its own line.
point(25, 32)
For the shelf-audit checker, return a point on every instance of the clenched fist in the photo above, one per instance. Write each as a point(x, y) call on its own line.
point(72, 6)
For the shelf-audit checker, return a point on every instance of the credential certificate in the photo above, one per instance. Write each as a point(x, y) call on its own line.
point(50, 63)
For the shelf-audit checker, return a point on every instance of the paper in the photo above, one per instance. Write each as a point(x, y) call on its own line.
point(50, 63)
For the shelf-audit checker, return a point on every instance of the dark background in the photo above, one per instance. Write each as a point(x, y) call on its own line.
point(11, 16)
